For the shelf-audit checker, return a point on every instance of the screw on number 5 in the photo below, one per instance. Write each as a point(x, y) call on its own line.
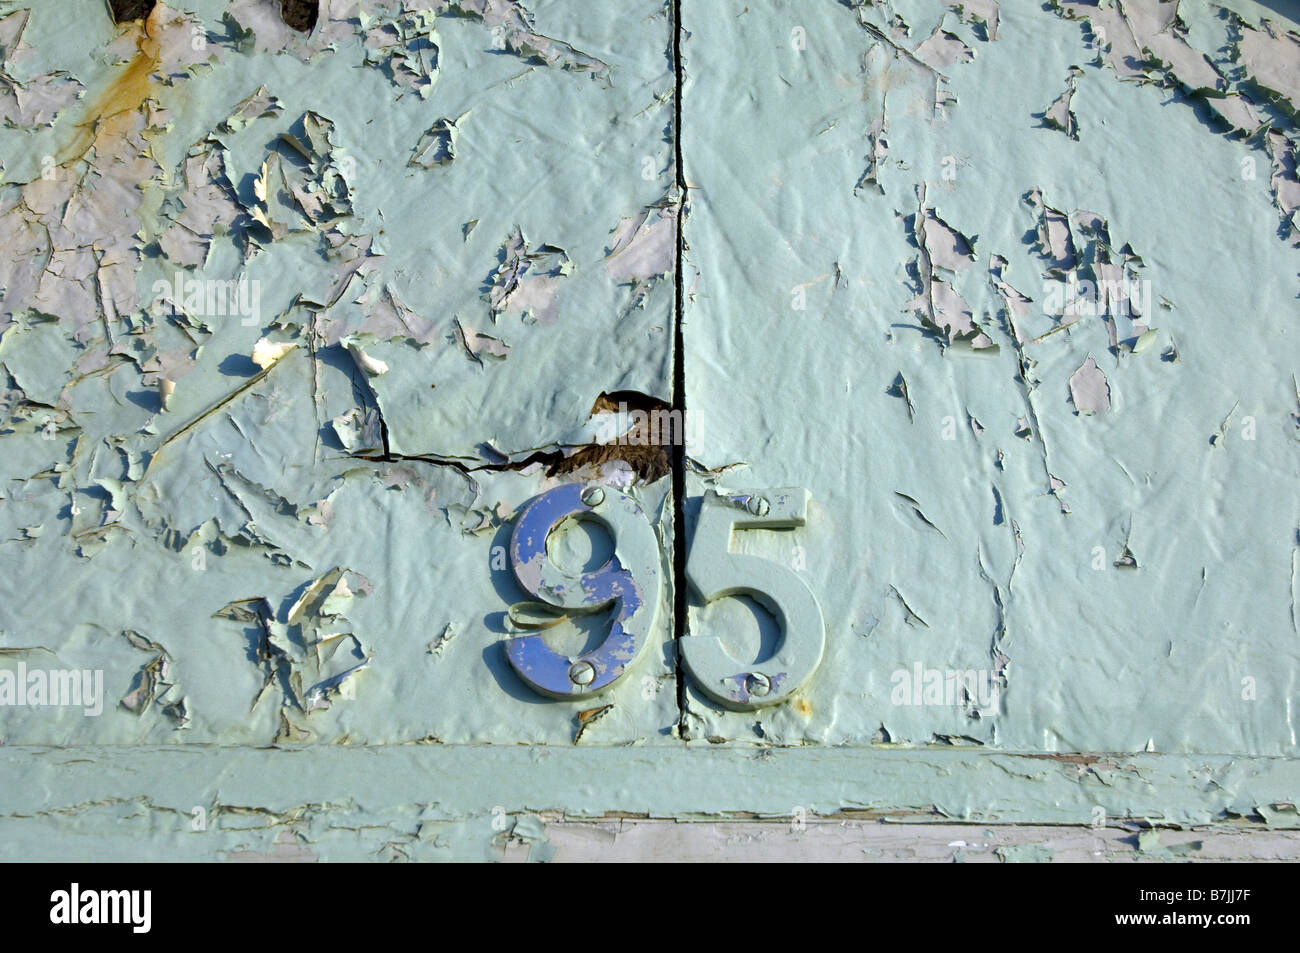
point(633, 579)
point(714, 572)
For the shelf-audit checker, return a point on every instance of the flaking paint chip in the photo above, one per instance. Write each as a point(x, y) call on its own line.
point(1089, 389)
point(266, 353)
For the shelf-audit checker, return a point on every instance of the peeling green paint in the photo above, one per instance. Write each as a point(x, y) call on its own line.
point(296, 318)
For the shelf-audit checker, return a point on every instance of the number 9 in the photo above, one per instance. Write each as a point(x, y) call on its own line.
point(632, 578)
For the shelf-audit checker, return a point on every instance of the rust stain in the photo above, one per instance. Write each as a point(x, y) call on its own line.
point(109, 114)
point(803, 706)
point(587, 718)
point(591, 714)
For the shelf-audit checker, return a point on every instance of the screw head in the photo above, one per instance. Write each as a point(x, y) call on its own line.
point(593, 496)
point(758, 505)
point(758, 684)
point(582, 673)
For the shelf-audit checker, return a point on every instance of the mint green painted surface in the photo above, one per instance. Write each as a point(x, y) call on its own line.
point(456, 254)
point(960, 497)
point(201, 526)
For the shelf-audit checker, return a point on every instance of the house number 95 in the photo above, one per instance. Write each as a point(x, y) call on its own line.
point(632, 580)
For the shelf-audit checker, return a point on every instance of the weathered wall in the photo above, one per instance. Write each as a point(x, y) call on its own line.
point(295, 322)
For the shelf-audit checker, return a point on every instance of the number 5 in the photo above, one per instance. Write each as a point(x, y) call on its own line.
point(714, 572)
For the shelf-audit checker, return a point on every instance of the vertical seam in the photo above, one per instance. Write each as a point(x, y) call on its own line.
point(679, 376)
